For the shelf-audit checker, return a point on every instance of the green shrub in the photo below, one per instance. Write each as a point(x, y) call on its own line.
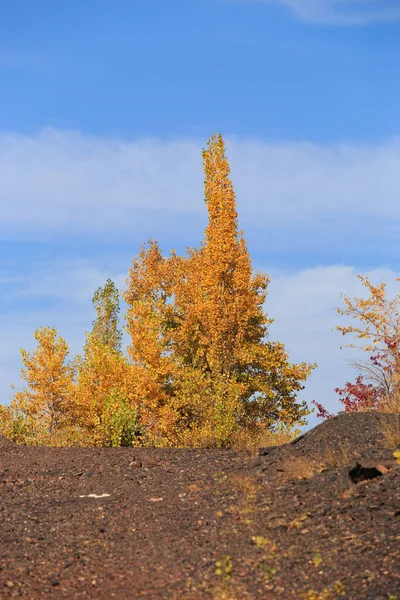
point(119, 424)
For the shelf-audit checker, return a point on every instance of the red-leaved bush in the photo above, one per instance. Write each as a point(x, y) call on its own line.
point(322, 411)
point(360, 395)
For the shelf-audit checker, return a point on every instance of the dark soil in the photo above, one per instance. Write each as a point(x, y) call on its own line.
point(291, 520)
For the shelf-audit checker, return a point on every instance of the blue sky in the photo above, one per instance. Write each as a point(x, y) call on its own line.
point(105, 107)
point(185, 67)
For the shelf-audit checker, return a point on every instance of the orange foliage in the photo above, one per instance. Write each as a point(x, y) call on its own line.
point(198, 332)
point(43, 409)
point(379, 329)
point(379, 317)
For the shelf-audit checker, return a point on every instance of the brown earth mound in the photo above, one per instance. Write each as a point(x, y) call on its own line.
point(350, 433)
point(5, 443)
point(149, 523)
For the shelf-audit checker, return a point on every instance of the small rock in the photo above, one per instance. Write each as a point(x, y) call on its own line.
point(254, 462)
point(95, 496)
point(267, 450)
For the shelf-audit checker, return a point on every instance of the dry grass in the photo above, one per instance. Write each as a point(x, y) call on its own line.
point(221, 594)
point(300, 468)
point(391, 431)
point(338, 591)
point(245, 485)
point(390, 427)
point(251, 441)
point(391, 404)
point(223, 571)
point(337, 457)
point(245, 488)
point(303, 467)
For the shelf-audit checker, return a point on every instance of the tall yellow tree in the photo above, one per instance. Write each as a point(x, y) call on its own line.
point(250, 381)
point(42, 410)
point(199, 331)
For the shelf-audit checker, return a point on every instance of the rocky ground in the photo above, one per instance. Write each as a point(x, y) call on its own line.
point(317, 519)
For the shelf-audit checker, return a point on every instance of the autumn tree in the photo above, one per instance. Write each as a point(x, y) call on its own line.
point(105, 385)
point(151, 321)
point(199, 332)
point(42, 411)
point(378, 384)
point(105, 326)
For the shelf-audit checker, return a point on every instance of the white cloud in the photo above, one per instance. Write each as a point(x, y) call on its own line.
point(71, 183)
point(59, 183)
point(340, 12)
point(67, 280)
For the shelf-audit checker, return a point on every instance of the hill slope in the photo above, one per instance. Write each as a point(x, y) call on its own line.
point(291, 520)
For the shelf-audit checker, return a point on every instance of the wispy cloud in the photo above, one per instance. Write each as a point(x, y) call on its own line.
point(59, 183)
point(69, 281)
point(340, 12)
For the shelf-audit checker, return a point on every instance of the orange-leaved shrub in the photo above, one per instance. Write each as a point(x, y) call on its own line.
point(40, 412)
